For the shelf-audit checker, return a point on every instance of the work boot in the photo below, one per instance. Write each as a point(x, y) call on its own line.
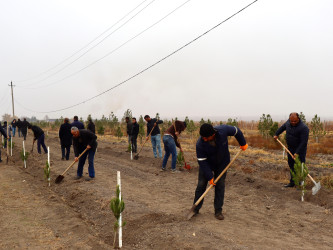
point(89, 178)
point(289, 185)
point(77, 177)
point(219, 216)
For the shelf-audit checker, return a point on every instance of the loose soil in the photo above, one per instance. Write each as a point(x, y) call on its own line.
point(259, 212)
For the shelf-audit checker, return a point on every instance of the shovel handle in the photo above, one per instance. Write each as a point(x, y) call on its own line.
point(74, 161)
point(294, 159)
point(219, 177)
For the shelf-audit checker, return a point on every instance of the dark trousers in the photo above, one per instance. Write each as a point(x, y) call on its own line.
point(68, 149)
point(291, 162)
point(40, 141)
point(91, 154)
point(19, 132)
point(134, 144)
point(24, 133)
point(219, 190)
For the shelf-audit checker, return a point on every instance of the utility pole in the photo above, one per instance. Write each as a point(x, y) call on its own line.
point(11, 85)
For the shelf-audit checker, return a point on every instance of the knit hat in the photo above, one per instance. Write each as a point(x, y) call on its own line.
point(207, 130)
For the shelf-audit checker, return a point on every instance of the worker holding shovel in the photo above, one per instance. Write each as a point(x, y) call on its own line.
point(3, 132)
point(297, 135)
point(213, 157)
point(170, 141)
point(154, 131)
point(84, 139)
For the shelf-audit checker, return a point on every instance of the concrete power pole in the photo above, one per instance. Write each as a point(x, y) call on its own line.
point(11, 85)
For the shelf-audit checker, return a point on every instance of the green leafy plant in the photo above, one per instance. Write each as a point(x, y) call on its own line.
point(119, 133)
point(129, 148)
point(47, 171)
point(100, 130)
point(117, 206)
point(299, 175)
point(180, 159)
point(24, 157)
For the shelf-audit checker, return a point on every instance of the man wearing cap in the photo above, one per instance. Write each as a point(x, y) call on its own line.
point(297, 135)
point(170, 141)
point(213, 156)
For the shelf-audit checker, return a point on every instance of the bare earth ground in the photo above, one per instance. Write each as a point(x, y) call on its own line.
point(259, 212)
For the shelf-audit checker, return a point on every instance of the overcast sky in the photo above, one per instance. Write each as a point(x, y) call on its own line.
point(275, 57)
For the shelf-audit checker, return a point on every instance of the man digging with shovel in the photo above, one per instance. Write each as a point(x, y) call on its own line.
point(3, 132)
point(297, 135)
point(213, 157)
point(82, 139)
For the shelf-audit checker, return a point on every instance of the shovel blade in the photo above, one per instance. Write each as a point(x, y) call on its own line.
point(59, 179)
point(187, 166)
point(316, 188)
point(136, 157)
point(191, 212)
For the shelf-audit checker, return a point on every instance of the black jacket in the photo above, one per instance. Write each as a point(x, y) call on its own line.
point(150, 125)
point(91, 127)
point(24, 127)
point(129, 128)
point(297, 137)
point(65, 135)
point(2, 131)
point(19, 124)
point(135, 130)
point(37, 131)
point(211, 158)
point(85, 138)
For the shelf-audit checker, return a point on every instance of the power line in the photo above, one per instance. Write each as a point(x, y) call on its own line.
point(111, 52)
point(54, 67)
point(152, 65)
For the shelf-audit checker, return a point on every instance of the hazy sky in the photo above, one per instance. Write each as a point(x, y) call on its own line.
point(274, 57)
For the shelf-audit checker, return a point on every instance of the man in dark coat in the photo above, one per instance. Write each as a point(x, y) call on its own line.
point(24, 128)
point(19, 126)
point(297, 135)
point(134, 132)
point(91, 126)
point(3, 132)
point(77, 123)
point(155, 136)
point(8, 129)
point(39, 136)
point(129, 130)
point(213, 157)
point(82, 139)
point(65, 136)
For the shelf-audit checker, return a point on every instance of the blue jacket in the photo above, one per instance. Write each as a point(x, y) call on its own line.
point(297, 137)
point(211, 158)
point(2, 131)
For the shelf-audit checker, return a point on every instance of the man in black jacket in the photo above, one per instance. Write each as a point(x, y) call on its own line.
point(39, 136)
point(19, 126)
point(24, 128)
point(297, 135)
point(129, 130)
point(65, 136)
point(134, 132)
point(91, 126)
point(82, 139)
point(3, 132)
point(152, 124)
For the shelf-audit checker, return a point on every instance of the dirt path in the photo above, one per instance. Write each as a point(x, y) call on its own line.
point(259, 213)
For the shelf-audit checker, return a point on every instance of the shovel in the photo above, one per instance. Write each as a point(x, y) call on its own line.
point(136, 157)
point(192, 211)
point(32, 148)
point(61, 177)
point(317, 185)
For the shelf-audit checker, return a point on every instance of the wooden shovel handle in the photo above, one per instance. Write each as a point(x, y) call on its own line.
point(216, 180)
point(294, 159)
point(74, 161)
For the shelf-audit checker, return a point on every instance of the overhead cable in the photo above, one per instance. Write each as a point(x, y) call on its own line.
point(152, 65)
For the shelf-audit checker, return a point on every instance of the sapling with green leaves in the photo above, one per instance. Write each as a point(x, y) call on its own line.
point(117, 206)
point(299, 174)
point(180, 159)
point(47, 172)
